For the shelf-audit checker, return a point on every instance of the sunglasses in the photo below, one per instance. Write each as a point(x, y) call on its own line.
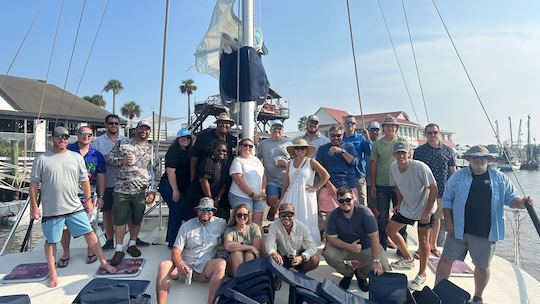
point(113, 123)
point(221, 150)
point(478, 157)
point(247, 146)
point(432, 132)
point(242, 216)
point(62, 137)
point(350, 123)
point(374, 130)
point(312, 122)
point(85, 134)
point(335, 135)
point(206, 209)
point(344, 200)
point(277, 129)
point(287, 214)
point(300, 148)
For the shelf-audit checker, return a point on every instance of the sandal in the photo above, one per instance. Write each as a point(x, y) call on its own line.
point(265, 229)
point(436, 252)
point(62, 263)
point(271, 215)
point(91, 259)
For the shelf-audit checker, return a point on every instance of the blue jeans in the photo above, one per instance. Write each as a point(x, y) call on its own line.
point(175, 211)
point(384, 195)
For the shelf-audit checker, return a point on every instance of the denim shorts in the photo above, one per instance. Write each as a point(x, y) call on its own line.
point(272, 190)
point(77, 223)
point(255, 206)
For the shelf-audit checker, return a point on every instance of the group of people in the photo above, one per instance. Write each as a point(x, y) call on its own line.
point(336, 190)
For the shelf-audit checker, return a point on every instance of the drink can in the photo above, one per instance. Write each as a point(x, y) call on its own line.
point(188, 277)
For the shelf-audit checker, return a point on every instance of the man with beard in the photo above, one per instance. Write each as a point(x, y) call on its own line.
point(274, 156)
point(473, 203)
point(104, 144)
point(194, 251)
point(61, 172)
point(313, 136)
point(353, 238)
point(137, 177)
point(363, 149)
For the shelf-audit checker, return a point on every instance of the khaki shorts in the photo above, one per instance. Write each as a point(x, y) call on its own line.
point(438, 213)
point(199, 277)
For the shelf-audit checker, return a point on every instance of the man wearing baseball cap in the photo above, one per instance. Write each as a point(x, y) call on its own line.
point(363, 149)
point(473, 203)
point(194, 250)
point(312, 135)
point(373, 129)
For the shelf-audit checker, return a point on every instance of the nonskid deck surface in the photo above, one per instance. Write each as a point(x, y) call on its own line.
point(507, 285)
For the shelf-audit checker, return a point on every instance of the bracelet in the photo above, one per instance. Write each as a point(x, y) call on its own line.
point(378, 261)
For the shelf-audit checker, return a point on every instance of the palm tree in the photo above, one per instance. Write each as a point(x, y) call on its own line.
point(96, 99)
point(116, 87)
point(131, 110)
point(188, 87)
point(302, 123)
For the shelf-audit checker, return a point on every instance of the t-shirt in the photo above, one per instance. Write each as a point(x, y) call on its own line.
point(244, 238)
point(204, 144)
point(60, 176)
point(269, 151)
point(252, 171)
point(478, 206)
point(341, 172)
point(413, 185)
point(439, 159)
point(179, 159)
point(358, 227)
point(383, 153)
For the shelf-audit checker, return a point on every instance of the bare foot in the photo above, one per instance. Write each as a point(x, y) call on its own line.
point(108, 267)
point(53, 282)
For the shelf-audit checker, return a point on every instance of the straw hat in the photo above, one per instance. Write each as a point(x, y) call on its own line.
point(477, 151)
point(300, 143)
point(224, 116)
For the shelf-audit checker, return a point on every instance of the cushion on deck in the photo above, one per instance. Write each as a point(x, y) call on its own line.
point(15, 299)
point(112, 294)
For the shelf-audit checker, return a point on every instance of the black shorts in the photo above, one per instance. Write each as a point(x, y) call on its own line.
point(108, 199)
point(398, 218)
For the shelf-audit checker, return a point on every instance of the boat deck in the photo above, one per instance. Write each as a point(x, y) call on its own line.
point(508, 284)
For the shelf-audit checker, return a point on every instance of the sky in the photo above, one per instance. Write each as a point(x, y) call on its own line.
point(310, 60)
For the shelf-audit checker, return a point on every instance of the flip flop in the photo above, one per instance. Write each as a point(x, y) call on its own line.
point(271, 214)
point(91, 259)
point(436, 252)
point(62, 263)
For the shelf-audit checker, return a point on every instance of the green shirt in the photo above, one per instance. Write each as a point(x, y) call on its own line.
point(383, 153)
point(244, 238)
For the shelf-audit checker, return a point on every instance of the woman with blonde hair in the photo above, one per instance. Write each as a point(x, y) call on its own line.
point(243, 239)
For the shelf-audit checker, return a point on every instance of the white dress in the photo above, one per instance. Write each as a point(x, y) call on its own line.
point(305, 203)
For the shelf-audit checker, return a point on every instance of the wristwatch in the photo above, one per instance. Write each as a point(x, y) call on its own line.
point(342, 151)
point(377, 261)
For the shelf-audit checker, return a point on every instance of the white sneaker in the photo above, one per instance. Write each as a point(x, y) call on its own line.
point(403, 264)
point(417, 283)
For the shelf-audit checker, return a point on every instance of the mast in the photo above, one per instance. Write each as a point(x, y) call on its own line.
point(248, 108)
point(511, 136)
point(529, 148)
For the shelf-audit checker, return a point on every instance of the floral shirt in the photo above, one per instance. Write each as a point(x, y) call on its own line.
point(94, 160)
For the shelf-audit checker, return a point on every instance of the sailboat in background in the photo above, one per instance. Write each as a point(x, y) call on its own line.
point(507, 160)
point(531, 163)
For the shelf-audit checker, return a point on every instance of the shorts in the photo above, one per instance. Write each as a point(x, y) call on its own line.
point(327, 202)
point(254, 206)
point(481, 249)
point(128, 208)
point(272, 190)
point(398, 218)
point(77, 223)
point(108, 199)
point(199, 277)
point(438, 213)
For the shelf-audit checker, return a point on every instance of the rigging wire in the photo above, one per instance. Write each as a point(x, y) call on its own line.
point(355, 65)
point(414, 57)
point(163, 61)
point(397, 60)
point(88, 57)
point(476, 93)
point(70, 62)
point(22, 42)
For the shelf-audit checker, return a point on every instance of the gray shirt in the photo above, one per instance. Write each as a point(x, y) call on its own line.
point(199, 242)
point(269, 151)
point(317, 141)
point(413, 185)
point(60, 176)
point(287, 244)
point(104, 145)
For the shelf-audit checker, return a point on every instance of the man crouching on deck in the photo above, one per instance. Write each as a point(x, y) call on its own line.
point(193, 251)
point(60, 171)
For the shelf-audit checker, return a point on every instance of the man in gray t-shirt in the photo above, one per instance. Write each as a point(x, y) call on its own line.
point(274, 156)
point(60, 172)
point(416, 191)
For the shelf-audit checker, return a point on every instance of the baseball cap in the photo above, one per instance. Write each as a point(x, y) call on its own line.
point(183, 132)
point(144, 123)
point(60, 131)
point(401, 146)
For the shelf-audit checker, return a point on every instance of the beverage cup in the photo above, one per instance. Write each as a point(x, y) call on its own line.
point(187, 280)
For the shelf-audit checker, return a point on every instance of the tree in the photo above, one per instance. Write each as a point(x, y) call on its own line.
point(188, 87)
point(131, 110)
point(116, 87)
point(302, 123)
point(96, 99)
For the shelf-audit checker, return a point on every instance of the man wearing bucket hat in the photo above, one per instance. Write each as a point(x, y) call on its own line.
point(274, 156)
point(473, 203)
point(193, 253)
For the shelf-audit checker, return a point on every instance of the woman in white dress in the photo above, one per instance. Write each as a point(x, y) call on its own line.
point(298, 187)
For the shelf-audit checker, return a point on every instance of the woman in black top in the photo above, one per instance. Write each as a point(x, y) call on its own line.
point(175, 181)
point(212, 180)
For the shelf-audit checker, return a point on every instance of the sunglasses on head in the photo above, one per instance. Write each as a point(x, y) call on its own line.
point(206, 209)
point(478, 157)
point(300, 148)
point(344, 200)
point(287, 214)
point(85, 134)
point(113, 123)
point(242, 215)
point(63, 136)
point(247, 146)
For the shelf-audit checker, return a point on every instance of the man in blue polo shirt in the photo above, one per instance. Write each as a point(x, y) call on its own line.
point(363, 150)
point(353, 238)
